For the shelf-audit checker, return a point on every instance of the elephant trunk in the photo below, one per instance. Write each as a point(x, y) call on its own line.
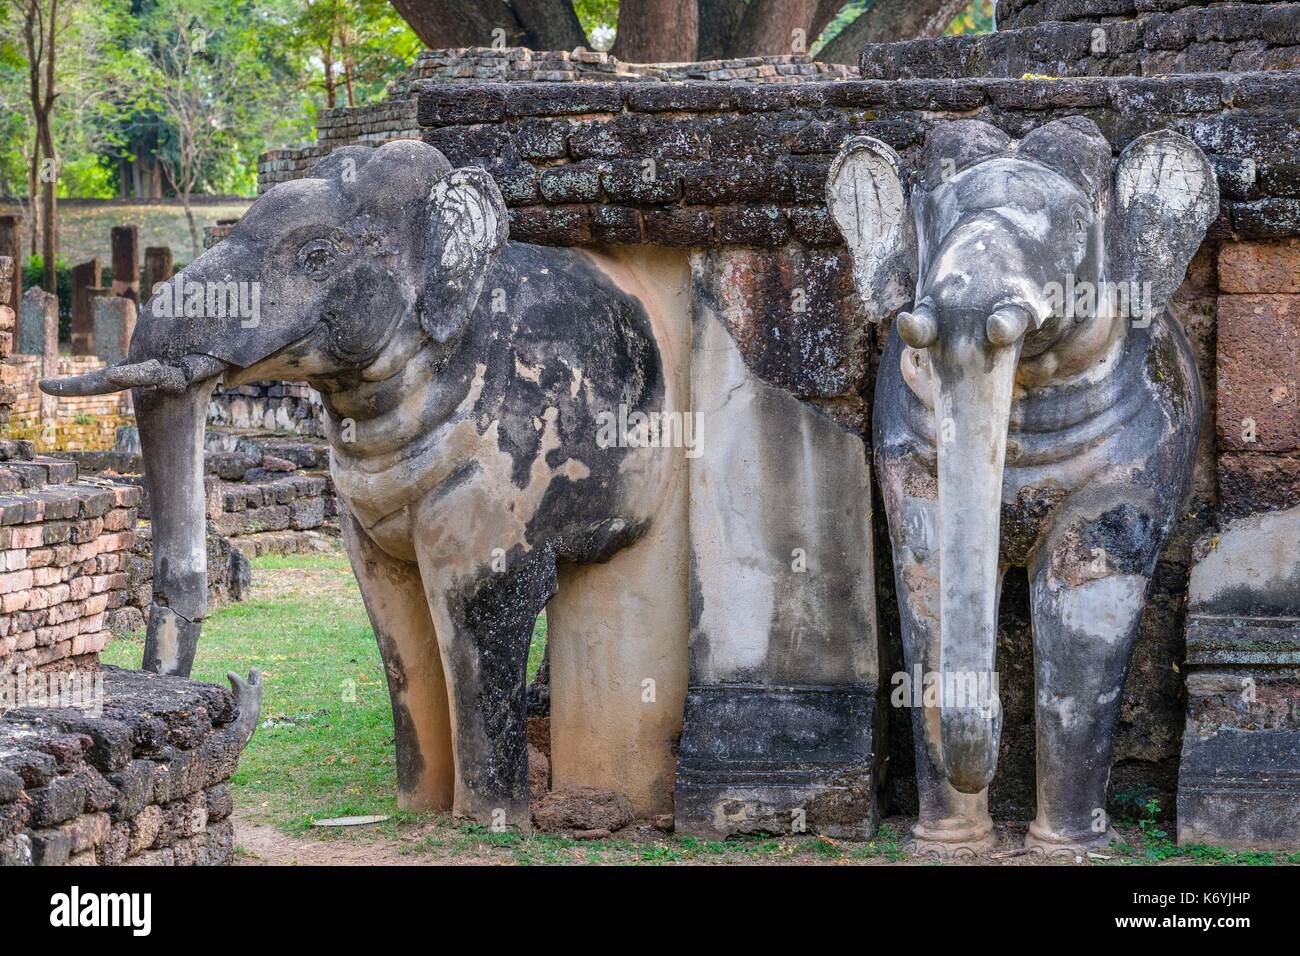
point(171, 437)
point(975, 367)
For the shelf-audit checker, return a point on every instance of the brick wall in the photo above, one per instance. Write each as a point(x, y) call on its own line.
point(395, 117)
point(65, 549)
point(1077, 38)
point(1257, 364)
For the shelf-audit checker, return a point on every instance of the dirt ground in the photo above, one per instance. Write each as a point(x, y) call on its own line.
point(439, 843)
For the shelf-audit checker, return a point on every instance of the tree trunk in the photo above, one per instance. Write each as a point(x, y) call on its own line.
point(34, 197)
point(890, 20)
point(550, 24)
point(718, 22)
point(189, 219)
point(49, 210)
point(775, 27)
point(657, 31)
point(453, 23)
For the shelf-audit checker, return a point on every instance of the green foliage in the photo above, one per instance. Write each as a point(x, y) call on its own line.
point(977, 18)
point(88, 176)
point(349, 51)
point(1154, 844)
point(598, 19)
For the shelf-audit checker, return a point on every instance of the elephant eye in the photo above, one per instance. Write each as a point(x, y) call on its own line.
point(316, 258)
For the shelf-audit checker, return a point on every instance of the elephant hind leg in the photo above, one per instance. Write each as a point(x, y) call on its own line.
point(399, 615)
point(484, 628)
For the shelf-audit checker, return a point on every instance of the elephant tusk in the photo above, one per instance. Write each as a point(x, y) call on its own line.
point(1007, 324)
point(149, 374)
point(920, 327)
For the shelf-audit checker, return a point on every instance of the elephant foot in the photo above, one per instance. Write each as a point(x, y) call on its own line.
point(512, 817)
point(951, 839)
point(1057, 846)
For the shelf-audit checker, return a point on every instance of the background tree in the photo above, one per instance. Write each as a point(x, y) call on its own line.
point(353, 46)
point(202, 69)
point(59, 61)
point(674, 30)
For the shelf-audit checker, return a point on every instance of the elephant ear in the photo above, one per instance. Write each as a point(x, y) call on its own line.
point(468, 226)
point(1165, 196)
point(865, 196)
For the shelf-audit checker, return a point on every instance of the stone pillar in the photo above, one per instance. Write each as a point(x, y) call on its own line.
point(780, 717)
point(38, 334)
point(85, 277)
point(1239, 778)
point(126, 262)
point(157, 268)
point(8, 391)
point(114, 325)
point(37, 314)
point(11, 245)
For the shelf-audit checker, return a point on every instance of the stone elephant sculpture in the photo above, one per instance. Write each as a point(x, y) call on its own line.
point(1036, 407)
point(467, 384)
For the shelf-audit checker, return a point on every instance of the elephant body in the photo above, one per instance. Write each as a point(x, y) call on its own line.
point(486, 407)
point(1019, 424)
point(473, 473)
point(1096, 474)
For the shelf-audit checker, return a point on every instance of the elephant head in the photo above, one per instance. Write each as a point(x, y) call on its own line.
point(328, 275)
point(997, 231)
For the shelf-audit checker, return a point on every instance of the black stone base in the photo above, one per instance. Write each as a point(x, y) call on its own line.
point(1241, 788)
point(1239, 781)
point(763, 759)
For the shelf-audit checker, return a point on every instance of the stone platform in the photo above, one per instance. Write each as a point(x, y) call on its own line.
point(145, 782)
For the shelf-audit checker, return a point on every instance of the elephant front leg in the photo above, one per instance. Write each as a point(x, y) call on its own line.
point(1086, 615)
point(950, 823)
point(484, 625)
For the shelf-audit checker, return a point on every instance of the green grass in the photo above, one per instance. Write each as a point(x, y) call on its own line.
point(1149, 842)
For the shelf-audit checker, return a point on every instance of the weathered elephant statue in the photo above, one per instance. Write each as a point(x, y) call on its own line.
point(464, 380)
point(1036, 407)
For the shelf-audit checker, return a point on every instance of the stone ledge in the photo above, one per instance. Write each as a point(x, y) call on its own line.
point(143, 783)
point(1235, 36)
point(720, 154)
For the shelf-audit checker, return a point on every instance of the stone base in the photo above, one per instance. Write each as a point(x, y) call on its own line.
point(1241, 789)
point(762, 759)
point(145, 783)
point(1239, 781)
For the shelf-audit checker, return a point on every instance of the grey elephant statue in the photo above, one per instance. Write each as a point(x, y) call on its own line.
point(463, 380)
point(1036, 407)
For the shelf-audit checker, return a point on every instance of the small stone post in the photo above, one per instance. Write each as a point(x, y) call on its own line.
point(157, 268)
point(11, 242)
point(86, 276)
point(38, 334)
point(126, 262)
point(114, 324)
